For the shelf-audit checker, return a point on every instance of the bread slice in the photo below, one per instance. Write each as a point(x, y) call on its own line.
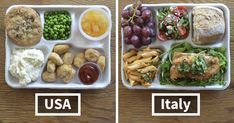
point(208, 25)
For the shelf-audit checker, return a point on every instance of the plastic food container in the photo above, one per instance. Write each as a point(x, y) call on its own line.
point(78, 42)
point(167, 45)
point(101, 36)
point(99, 70)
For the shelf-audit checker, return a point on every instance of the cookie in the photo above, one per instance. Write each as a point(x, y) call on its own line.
point(23, 26)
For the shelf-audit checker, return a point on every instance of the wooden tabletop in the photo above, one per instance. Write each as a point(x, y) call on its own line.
point(17, 105)
point(216, 106)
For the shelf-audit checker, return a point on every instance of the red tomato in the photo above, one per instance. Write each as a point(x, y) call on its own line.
point(179, 11)
point(183, 32)
point(181, 8)
point(161, 36)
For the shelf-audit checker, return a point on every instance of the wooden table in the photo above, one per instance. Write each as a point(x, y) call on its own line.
point(17, 105)
point(216, 106)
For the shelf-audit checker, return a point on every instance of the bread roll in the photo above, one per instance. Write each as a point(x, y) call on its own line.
point(208, 25)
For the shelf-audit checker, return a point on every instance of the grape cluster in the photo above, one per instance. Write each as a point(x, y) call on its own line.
point(138, 25)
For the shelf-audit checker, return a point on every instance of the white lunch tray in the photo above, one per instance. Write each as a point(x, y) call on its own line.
point(166, 45)
point(78, 42)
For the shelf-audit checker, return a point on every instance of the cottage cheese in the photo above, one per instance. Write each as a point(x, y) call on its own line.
point(26, 64)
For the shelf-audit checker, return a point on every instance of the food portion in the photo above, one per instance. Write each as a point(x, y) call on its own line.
point(79, 59)
point(92, 55)
point(26, 64)
point(63, 63)
point(59, 65)
point(190, 66)
point(23, 26)
point(101, 62)
point(88, 73)
point(140, 67)
point(61, 49)
point(57, 25)
point(173, 23)
point(194, 66)
point(138, 25)
point(208, 25)
point(95, 23)
point(66, 72)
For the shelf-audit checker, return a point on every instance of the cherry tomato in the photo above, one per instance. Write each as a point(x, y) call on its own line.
point(161, 36)
point(181, 8)
point(183, 32)
point(179, 11)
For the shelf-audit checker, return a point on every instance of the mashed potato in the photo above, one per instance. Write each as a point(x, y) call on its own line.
point(26, 64)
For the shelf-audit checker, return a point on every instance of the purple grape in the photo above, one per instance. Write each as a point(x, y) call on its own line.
point(127, 31)
point(151, 24)
point(146, 40)
point(145, 31)
point(152, 32)
point(127, 40)
point(125, 14)
point(124, 22)
point(146, 14)
point(136, 30)
point(136, 41)
point(139, 21)
point(138, 12)
point(151, 19)
point(143, 8)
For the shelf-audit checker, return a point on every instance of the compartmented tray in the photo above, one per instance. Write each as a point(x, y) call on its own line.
point(78, 44)
point(166, 45)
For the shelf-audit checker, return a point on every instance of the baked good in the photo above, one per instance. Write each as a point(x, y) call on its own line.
point(208, 25)
point(23, 26)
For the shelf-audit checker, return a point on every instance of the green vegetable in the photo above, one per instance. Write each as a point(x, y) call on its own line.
point(162, 13)
point(57, 25)
point(147, 77)
point(198, 65)
point(184, 67)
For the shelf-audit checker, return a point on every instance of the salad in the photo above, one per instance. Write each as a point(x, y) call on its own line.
point(173, 23)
